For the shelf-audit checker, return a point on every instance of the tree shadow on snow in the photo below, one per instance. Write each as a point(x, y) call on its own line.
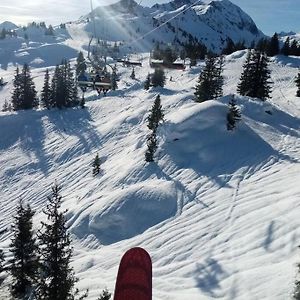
point(29, 130)
point(208, 276)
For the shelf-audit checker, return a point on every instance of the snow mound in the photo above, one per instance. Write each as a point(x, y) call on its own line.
point(131, 211)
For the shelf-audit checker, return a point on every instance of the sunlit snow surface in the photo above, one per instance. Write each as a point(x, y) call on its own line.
point(218, 211)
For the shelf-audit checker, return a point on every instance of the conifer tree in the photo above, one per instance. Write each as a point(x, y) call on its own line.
point(294, 48)
point(63, 87)
point(152, 146)
point(46, 91)
point(285, 50)
point(57, 278)
point(24, 262)
point(158, 78)
point(255, 78)
point(244, 85)
point(96, 165)
point(147, 82)
point(156, 114)
point(210, 80)
point(233, 115)
point(24, 93)
point(80, 64)
point(273, 46)
point(298, 84)
point(229, 48)
point(105, 295)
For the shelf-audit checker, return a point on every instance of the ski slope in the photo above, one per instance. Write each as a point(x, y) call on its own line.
point(218, 211)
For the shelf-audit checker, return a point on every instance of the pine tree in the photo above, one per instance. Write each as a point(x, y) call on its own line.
point(285, 50)
point(152, 146)
point(210, 80)
point(57, 278)
point(229, 48)
point(158, 78)
point(233, 115)
point(294, 48)
point(105, 295)
point(46, 91)
point(132, 75)
point(298, 84)
point(273, 46)
point(24, 264)
point(16, 95)
point(24, 93)
point(147, 82)
point(244, 85)
point(80, 64)
point(255, 78)
point(96, 165)
point(64, 92)
point(156, 114)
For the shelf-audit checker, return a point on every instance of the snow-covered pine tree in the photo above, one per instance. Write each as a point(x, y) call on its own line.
point(57, 277)
point(158, 78)
point(46, 91)
point(255, 78)
point(233, 115)
point(298, 84)
point(147, 82)
point(218, 78)
point(105, 295)
point(210, 80)
point(96, 165)
point(24, 93)
point(24, 262)
point(156, 114)
point(244, 85)
point(152, 146)
point(80, 64)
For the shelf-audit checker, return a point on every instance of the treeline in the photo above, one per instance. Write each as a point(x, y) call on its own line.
point(271, 46)
point(59, 91)
point(39, 266)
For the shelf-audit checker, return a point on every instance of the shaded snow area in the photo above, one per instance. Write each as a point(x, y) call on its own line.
point(218, 211)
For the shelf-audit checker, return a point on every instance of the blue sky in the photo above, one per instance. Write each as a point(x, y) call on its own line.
point(269, 15)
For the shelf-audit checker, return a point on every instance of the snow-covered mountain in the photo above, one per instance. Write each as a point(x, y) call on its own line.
point(211, 23)
point(138, 28)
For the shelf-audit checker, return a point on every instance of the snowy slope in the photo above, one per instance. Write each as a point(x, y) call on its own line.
point(218, 212)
